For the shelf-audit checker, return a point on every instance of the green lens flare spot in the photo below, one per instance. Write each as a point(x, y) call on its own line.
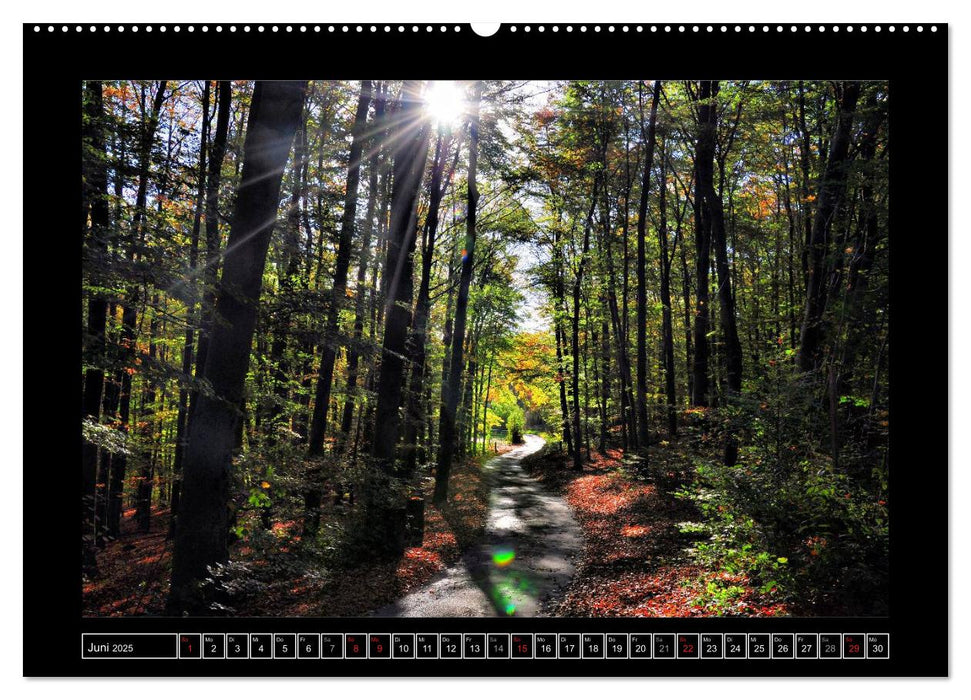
point(510, 608)
point(503, 557)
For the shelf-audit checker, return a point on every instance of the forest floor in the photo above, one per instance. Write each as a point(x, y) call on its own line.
point(134, 569)
point(635, 560)
point(523, 564)
point(522, 534)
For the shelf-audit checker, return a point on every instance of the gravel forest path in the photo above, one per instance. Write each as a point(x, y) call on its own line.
point(524, 562)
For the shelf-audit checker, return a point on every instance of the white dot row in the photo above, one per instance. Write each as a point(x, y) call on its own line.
point(245, 28)
point(345, 28)
point(725, 28)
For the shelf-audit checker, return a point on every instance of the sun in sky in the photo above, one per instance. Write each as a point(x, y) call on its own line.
point(445, 102)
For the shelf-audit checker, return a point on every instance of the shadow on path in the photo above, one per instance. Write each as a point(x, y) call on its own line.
point(523, 562)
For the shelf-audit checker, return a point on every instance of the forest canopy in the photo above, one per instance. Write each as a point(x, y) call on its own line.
point(313, 309)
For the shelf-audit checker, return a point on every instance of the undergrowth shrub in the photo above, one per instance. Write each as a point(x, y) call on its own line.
point(796, 525)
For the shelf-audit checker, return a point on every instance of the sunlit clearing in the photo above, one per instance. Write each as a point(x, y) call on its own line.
point(444, 102)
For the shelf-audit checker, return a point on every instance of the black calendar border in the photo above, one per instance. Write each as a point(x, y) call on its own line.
point(916, 65)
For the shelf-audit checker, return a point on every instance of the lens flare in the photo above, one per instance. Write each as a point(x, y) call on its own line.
point(502, 596)
point(504, 557)
point(444, 102)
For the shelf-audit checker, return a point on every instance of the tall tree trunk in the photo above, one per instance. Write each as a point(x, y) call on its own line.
point(129, 317)
point(188, 345)
point(616, 322)
point(704, 165)
point(581, 436)
point(380, 306)
point(831, 190)
point(446, 344)
point(864, 252)
point(466, 421)
point(561, 380)
point(201, 538)
point(414, 402)
point(559, 292)
point(667, 326)
point(318, 423)
point(411, 139)
point(485, 404)
point(325, 376)
point(477, 381)
point(148, 424)
point(377, 287)
point(805, 152)
point(386, 522)
point(112, 384)
point(143, 493)
point(96, 244)
point(211, 271)
point(686, 303)
point(604, 382)
point(857, 326)
point(649, 134)
point(109, 406)
point(447, 435)
point(590, 334)
point(280, 321)
point(702, 349)
point(629, 410)
point(791, 247)
point(112, 392)
point(627, 401)
point(360, 308)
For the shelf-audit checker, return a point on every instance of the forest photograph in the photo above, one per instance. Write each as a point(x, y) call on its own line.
point(484, 348)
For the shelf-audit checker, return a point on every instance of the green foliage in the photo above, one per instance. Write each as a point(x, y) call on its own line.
point(720, 597)
point(736, 543)
point(786, 516)
point(515, 423)
point(104, 437)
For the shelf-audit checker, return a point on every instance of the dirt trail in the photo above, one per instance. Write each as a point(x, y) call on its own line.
point(524, 562)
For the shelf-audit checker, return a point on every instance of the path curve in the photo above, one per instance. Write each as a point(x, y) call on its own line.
point(525, 560)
